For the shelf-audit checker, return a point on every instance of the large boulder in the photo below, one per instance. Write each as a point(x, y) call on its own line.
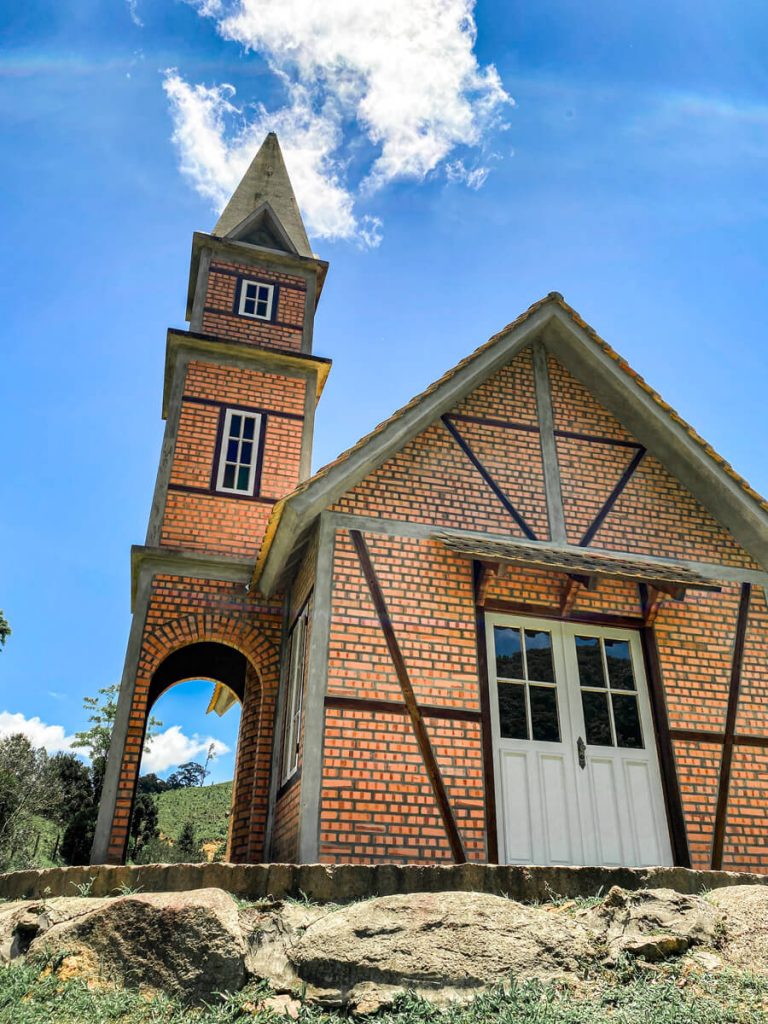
point(186, 943)
point(22, 921)
point(443, 945)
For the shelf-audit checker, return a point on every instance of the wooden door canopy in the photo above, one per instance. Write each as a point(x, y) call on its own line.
point(579, 565)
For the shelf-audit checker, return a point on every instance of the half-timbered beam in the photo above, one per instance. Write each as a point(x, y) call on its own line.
point(612, 498)
point(466, 448)
point(721, 810)
point(417, 720)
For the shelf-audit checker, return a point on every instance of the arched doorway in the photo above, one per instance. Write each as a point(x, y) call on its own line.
point(190, 690)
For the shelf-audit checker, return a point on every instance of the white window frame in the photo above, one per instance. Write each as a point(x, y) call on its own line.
point(224, 461)
point(294, 703)
point(245, 297)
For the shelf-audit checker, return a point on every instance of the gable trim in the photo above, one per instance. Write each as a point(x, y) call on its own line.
point(711, 480)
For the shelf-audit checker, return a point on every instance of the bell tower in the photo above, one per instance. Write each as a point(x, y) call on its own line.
point(239, 397)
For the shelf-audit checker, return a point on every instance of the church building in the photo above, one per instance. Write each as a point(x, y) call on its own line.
point(522, 621)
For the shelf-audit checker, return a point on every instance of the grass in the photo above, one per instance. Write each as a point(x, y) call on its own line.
point(627, 994)
point(206, 807)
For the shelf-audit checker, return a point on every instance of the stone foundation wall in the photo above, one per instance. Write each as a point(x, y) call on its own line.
point(344, 882)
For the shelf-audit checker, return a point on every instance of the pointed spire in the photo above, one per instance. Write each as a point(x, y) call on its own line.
point(266, 181)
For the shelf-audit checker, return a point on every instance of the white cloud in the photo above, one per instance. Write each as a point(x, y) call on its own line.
point(52, 737)
point(133, 11)
point(473, 177)
point(171, 748)
point(399, 74)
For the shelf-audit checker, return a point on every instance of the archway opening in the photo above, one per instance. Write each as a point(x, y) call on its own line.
point(183, 801)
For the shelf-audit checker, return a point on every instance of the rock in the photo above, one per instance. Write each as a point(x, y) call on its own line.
point(186, 943)
point(268, 932)
point(23, 921)
point(653, 923)
point(744, 942)
point(443, 945)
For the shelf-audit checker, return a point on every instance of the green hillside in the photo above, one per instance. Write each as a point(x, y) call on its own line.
point(207, 807)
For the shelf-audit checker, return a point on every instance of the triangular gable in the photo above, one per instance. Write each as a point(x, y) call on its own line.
point(263, 228)
point(618, 388)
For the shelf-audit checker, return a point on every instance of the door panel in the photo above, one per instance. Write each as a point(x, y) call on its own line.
point(516, 790)
point(578, 778)
point(559, 832)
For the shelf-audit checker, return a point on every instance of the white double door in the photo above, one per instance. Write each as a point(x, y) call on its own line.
point(577, 775)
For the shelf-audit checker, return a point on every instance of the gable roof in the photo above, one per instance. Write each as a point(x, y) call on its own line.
point(266, 180)
point(622, 390)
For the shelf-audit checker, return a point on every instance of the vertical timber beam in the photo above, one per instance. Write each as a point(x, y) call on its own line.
point(552, 485)
point(308, 848)
point(673, 801)
point(417, 721)
point(479, 572)
point(108, 801)
point(721, 811)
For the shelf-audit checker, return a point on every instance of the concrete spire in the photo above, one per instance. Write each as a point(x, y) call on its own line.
point(266, 180)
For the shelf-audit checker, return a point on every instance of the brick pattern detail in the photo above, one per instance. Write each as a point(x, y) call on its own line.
point(376, 799)
point(219, 317)
point(431, 480)
point(184, 611)
point(376, 803)
point(218, 522)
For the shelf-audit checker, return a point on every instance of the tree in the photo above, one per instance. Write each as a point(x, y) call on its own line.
point(75, 786)
point(152, 783)
point(28, 788)
point(5, 629)
point(187, 775)
point(144, 821)
point(96, 740)
point(208, 758)
point(187, 844)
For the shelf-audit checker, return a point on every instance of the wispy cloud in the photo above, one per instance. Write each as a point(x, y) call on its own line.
point(133, 11)
point(171, 748)
point(399, 74)
point(52, 737)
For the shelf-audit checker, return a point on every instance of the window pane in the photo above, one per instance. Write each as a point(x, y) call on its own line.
point(512, 719)
point(544, 723)
point(234, 426)
point(242, 478)
point(262, 308)
point(229, 477)
point(246, 450)
point(538, 652)
point(251, 290)
point(232, 450)
point(509, 655)
point(596, 718)
point(249, 424)
point(590, 661)
point(619, 665)
point(249, 306)
point(626, 720)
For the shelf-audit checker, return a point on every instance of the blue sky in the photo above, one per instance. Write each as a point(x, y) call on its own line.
point(630, 174)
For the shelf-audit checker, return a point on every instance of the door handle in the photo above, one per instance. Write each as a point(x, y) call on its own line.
point(581, 748)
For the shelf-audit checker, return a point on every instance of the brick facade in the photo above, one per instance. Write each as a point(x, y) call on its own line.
point(395, 761)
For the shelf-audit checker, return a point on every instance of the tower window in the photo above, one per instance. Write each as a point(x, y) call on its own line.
point(256, 300)
point(239, 452)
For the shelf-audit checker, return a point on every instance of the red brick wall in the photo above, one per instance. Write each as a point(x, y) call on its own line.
point(184, 611)
point(202, 520)
point(219, 316)
point(376, 802)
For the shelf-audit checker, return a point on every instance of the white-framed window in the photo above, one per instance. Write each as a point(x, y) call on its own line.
point(236, 473)
point(295, 696)
point(256, 299)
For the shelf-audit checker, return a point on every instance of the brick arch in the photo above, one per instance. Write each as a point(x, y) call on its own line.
point(249, 798)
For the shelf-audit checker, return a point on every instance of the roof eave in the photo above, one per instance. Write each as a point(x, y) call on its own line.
point(661, 431)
